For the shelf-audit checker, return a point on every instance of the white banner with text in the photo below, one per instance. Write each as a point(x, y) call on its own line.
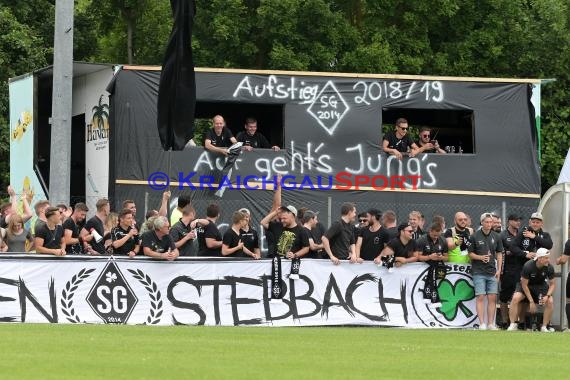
point(228, 293)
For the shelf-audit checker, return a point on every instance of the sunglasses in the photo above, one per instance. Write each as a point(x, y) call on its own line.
point(363, 220)
point(403, 129)
point(425, 136)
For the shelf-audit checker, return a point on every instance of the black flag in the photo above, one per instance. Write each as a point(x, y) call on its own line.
point(177, 88)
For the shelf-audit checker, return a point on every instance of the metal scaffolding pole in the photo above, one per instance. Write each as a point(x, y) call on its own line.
point(60, 152)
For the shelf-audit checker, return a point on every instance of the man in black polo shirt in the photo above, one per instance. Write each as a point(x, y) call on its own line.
point(512, 266)
point(94, 230)
point(158, 243)
point(252, 139)
point(124, 236)
point(183, 232)
point(536, 286)
point(338, 241)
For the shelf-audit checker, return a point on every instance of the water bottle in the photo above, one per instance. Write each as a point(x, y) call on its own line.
point(96, 235)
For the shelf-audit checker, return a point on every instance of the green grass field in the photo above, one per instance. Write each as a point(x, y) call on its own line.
point(142, 352)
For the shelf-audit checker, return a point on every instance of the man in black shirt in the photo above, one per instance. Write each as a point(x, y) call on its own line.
point(219, 137)
point(397, 142)
point(531, 238)
point(158, 243)
point(71, 229)
point(94, 230)
point(248, 234)
point(403, 248)
point(426, 144)
point(125, 238)
point(183, 232)
point(49, 237)
point(291, 239)
point(534, 288)
point(252, 139)
point(370, 242)
point(512, 266)
point(339, 241)
point(209, 237)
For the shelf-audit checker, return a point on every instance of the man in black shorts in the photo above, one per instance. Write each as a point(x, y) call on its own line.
point(563, 259)
point(535, 288)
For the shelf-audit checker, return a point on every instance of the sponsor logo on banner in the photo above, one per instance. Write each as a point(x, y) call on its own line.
point(457, 299)
point(111, 297)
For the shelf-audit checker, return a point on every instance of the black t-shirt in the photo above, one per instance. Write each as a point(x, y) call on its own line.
point(341, 237)
point(52, 238)
point(426, 245)
point(372, 243)
point(149, 239)
point(117, 233)
point(388, 234)
point(250, 239)
point(231, 239)
point(221, 141)
point(289, 239)
point(77, 248)
point(177, 232)
point(208, 231)
point(311, 254)
point(535, 275)
point(255, 141)
point(97, 224)
point(401, 145)
point(511, 263)
point(401, 250)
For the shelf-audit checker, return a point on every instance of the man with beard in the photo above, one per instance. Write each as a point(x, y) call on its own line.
point(457, 238)
point(497, 225)
point(291, 240)
point(512, 267)
point(339, 238)
point(72, 227)
point(370, 241)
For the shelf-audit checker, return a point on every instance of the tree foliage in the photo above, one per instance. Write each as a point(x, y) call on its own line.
point(493, 38)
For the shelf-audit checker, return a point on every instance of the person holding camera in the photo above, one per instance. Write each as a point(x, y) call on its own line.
point(426, 144)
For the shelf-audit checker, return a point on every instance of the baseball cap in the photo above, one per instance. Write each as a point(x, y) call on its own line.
point(536, 215)
point(542, 252)
point(308, 215)
point(290, 209)
point(513, 217)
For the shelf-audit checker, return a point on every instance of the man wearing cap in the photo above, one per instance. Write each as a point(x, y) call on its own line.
point(535, 288)
point(512, 266)
point(531, 238)
point(291, 240)
point(485, 252)
point(403, 248)
point(339, 241)
point(310, 221)
point(563, 259)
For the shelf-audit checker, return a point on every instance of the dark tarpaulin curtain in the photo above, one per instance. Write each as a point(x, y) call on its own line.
point(177, 88)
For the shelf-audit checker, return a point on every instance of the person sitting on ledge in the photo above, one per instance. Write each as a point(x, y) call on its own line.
point(219, 138)
point(397, 142)
point(253, 139)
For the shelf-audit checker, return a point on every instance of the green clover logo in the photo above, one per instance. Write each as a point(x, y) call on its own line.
point(453, 297)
